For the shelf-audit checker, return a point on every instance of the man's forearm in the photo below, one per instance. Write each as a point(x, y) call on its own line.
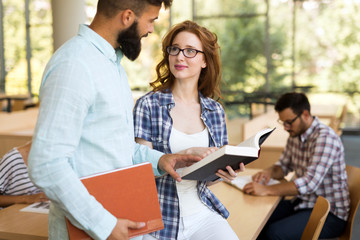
point(277, 172)
point(282, 189)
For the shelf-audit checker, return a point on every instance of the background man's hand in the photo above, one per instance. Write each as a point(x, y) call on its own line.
point(255, 188)
point(262, 177)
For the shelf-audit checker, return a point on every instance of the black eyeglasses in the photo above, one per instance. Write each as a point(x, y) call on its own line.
point(188, 52)
point(288, 123)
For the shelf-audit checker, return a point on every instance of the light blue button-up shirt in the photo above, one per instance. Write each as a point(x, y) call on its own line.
point(85, 126)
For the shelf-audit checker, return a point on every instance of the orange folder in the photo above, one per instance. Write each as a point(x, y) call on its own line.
point(128, 193)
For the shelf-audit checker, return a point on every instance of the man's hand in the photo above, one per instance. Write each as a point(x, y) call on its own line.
point(262, 177)
point(170, 162)
point(255, 188)
point(199, 151)
point(121, 229)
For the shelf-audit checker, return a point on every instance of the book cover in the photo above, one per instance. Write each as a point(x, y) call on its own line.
point(127, 193)
point(246, 152)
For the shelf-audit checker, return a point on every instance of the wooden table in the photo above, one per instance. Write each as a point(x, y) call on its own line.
point(248, 214)
point(15, 224)
point(16, 128)
point(15, 97)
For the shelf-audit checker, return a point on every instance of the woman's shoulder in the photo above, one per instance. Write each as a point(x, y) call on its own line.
point(149, 96)
point(157, 97)
point(211, 104)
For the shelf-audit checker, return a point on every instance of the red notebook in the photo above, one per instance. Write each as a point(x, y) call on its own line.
point(128, 193)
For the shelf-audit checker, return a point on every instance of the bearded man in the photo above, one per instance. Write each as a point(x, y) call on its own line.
point(85, 122)
point(316, 155)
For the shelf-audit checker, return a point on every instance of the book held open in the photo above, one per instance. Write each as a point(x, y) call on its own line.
point(240, 181)
point(127, 193)
point(246, 152)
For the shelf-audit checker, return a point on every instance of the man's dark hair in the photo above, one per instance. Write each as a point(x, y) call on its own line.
point(297, 102)
point(111, 7)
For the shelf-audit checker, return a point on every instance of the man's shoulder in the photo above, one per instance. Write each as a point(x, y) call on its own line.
point(75, 46)
point(324, 134)
point(325, 130)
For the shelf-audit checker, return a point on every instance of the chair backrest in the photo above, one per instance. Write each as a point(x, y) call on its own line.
point(317, 219)
point(353, 174)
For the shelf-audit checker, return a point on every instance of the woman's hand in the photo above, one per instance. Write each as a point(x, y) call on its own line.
point(230, 174)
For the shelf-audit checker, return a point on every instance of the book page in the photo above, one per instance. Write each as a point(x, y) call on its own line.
point(241, 181)
point(254, 141)
point(38, 207)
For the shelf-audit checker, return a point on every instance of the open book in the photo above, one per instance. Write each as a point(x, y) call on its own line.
point(240, 181)
point(38, 207)
point(246, 152)
point(128, 193)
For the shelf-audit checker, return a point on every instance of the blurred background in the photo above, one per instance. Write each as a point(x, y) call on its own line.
point(267, 47)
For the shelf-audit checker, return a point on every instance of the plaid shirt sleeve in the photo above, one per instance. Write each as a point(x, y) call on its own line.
point(323, 150)
point(142, 120)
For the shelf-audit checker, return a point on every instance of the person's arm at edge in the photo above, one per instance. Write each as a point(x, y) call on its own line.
point(7, 200)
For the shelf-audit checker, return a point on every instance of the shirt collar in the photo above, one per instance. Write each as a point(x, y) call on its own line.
point(166, 98)
point(206, 103)
point(100, 43)
point(307, 133)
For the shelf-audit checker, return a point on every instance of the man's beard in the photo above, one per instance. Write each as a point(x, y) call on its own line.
point(302, 129)
point(130, 42)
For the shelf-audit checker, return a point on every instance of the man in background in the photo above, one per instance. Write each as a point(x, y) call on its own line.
point(85, 122)
point(316, 155)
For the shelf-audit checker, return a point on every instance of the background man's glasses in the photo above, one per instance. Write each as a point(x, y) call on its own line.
point(188, 52)
point(288, 123)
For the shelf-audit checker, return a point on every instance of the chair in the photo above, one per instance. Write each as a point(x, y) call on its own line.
point(336, 122)
point(317, 219)
point(353, 174)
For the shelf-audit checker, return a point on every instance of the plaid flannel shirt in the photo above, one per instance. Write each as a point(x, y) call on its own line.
point(317, 157)
point(153, 123)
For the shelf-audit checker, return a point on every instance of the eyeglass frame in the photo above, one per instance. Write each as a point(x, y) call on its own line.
point(182, 50)
point(288, 123)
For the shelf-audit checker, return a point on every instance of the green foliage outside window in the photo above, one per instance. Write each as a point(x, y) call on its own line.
point(327, 53)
